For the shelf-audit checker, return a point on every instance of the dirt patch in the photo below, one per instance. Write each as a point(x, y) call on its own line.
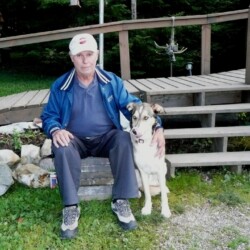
point(208, 228)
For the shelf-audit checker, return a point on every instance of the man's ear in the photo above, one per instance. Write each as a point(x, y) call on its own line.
point(158, 109)
point(130, 106)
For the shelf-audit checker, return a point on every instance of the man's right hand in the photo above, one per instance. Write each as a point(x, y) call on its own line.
point(61, 137)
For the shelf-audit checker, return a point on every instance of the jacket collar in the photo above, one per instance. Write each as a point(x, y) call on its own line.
point(101, 74)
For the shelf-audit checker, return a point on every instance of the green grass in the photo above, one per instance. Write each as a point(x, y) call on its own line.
point(30, 218)
point(14, 81)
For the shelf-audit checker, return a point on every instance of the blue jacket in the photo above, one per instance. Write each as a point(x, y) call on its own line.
point(56, 114)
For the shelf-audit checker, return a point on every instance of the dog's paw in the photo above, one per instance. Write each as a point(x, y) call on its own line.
point(146, 211)
point(139, 194)
point(166, 212)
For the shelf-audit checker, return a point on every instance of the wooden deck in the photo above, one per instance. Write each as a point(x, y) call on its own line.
point(195, 90)
point(169, 92)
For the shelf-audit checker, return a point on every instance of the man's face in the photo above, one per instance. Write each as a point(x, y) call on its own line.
point(85, 62)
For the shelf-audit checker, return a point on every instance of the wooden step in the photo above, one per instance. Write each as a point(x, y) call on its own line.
point(235, 159)
point(207, 114)
point(232, 131)
point(219, 135)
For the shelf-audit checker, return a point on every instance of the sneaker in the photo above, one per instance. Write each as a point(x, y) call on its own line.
point(122, 209)
point(69, 227)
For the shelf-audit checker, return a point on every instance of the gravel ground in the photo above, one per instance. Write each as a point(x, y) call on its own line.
point(207, 228)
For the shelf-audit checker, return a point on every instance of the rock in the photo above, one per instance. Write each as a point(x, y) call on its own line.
point(46, 148)
point(47, 164)
point(32, 176)
point(7, 156)
point(30, 154)
point(6, 179)
point(17, 127)
point(37, 122)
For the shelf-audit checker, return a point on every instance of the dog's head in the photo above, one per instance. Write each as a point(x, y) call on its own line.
point(143, 119)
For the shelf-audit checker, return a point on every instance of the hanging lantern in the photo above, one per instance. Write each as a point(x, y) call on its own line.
point(75, 3)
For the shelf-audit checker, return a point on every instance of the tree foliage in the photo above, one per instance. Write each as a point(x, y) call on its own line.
point(228, 39)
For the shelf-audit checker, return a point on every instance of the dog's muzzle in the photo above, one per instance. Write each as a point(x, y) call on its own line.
point(137, 135)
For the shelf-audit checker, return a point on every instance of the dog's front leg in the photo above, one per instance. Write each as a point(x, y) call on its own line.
point(146, 210)
point(165, 211)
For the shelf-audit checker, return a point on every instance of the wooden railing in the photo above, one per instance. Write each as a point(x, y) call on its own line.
point(123, 28)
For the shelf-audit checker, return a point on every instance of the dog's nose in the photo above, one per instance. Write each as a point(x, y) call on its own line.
point(134, 131)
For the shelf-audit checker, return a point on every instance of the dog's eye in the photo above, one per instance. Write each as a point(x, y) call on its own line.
point(146, 118)
point(134, 117)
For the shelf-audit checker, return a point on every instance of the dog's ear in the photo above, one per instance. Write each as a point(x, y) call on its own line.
point(158, 109)
point(130, 106)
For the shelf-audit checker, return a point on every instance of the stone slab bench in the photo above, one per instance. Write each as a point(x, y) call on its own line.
point(234, 159)
point(207, 114)
point(219, 135)
point(96, 179)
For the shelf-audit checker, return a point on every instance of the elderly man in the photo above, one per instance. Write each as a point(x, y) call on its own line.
point(82, 118)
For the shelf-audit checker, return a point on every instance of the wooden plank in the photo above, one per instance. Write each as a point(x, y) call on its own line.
point(226, 108)
point(208, 159)
point(22, 115)
point(139, 85)
point(131, 88)
point(234, 87)
point(124, 55)
point(235, 75)
point(217, 80)
point(2, 98)
point(177, 85)
point(239, 71)
point(205, 48)
point(183, 80)
point(205, 80)
point(197, 80)
point(214, 132)
point(39, 98)
point(223, 97)
point(234, 79)
point(24, 100)
point(151, 85)
point(180, 100)
point(46, 99)
point(162, 84)
point(10, 101)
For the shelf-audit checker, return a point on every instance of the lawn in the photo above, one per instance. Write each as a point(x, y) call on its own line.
point(14, 81)
point(30, 218)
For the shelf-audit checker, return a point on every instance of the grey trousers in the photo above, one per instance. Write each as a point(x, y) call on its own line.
point(115, 145)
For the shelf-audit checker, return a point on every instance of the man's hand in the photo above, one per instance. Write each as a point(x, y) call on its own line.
point(159, 140)
point(61, 137)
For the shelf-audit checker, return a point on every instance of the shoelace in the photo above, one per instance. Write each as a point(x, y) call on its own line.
point(123, 208)
point(70, 215)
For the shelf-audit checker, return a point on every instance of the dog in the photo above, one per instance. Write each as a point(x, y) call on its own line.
point(143, 122)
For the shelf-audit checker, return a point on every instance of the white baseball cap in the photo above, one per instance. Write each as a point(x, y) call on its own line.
point(82, 42)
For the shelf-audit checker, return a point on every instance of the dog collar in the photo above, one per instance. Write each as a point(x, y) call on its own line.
point(139, 141)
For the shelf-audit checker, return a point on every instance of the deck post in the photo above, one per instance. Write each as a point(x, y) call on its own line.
point(124, 55)
point(205, 49)
point(247, 80)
